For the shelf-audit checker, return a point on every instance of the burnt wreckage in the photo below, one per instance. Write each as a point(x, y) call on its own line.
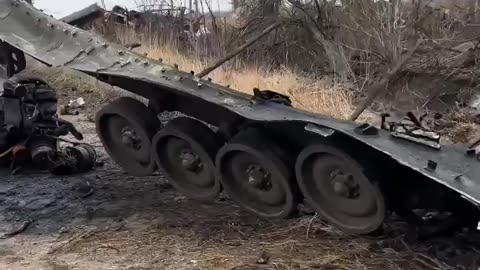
point(30, 130)
point(266, 155)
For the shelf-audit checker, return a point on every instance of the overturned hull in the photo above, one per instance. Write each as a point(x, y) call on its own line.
point(61, 45)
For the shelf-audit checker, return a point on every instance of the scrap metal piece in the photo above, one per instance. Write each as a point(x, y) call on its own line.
point(414, 139)
point(410, 128)
point(271, 96)
point(366, 129)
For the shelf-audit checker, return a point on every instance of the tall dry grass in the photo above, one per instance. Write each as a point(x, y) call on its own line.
point(323, 96)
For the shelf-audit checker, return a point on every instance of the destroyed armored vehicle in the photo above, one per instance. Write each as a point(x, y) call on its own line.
point(266, 155)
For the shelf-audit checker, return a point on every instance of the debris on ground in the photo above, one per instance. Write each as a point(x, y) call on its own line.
point(264, 258)
point(65, 110)
point(84, 189)
point(22, 227)
point(76, 103)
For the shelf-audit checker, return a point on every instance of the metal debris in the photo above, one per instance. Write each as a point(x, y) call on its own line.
point(410, 128)
point(76, 103)
point(271, 96)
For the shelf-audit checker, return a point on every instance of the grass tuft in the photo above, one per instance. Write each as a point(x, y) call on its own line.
point(323, 96)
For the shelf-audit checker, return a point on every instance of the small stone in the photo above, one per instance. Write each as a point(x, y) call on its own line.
point(264, 258)
point(179, 198)
point(117, 226)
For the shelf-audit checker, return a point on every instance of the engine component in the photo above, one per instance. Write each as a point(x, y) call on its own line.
point(126, 128)
point(256, 174)
point(85, 155)
point(28, 108)
point(42, 150)
point(185, 152)
point(73, 159)
point(337, 188)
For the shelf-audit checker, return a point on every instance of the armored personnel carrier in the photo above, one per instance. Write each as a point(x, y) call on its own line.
point(265, 154)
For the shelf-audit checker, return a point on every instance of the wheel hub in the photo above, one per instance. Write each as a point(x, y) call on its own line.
point(255, 173)
point(184, 151)
point(191, 161)
point(125, 128)
point(258, 177)
point(130, 139)
point(338, 189)
point(344, 185)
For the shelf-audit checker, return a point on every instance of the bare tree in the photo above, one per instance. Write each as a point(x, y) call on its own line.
point(235, 52)
point(393, 32)
point(318, 19)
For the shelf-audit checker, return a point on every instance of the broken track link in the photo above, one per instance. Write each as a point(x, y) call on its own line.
point(337, 188)
point(185, 152)
point(256, 173)
point(126, 128)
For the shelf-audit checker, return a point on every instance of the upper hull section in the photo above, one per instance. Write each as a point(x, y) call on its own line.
point(61, 45)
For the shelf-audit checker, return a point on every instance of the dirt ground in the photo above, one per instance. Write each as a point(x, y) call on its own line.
point(137, 223)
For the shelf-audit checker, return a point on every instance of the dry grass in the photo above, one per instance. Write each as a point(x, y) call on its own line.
point(323, 96)
point(315, 95)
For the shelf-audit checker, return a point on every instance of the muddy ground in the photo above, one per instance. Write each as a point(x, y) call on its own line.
point(51, 223)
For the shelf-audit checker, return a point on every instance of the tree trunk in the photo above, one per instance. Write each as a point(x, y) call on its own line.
point(215, 65)
point(334, 53)
point(336, 59)
point(377, 88)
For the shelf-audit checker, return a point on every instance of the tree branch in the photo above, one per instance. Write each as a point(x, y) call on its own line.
point(235, 52)
point(377, 88)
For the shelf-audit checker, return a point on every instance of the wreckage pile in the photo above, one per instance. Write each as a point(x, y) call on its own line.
point(162, 17)
point(30, 130)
